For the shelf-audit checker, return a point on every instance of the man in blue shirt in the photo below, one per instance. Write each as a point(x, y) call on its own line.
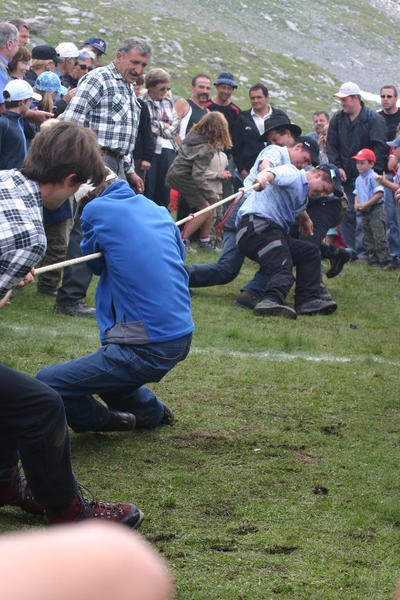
point(142, 309)
point(263, 224)
point(8, 47)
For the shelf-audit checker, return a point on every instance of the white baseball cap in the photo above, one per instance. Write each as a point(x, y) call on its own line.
point(19, 89)
point(67, 50)
point(348, 89)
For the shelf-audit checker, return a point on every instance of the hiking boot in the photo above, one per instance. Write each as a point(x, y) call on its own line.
point(18, 493)
point(248, 299)
point(75, 309)
point(168, 416)
point(339, 260)
point(81, 509)
point(120, 421)
point(44, 292)
point(317, 307)
point(269, 308)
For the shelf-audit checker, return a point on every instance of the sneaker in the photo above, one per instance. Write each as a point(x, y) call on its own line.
point(339, 260)
point(18, 493)
point(248, 299)
point(168, 416)
point(269, 308)
point(324, 293)
point(208, 245)
point(189, 249)
point(75, 309)
point(120, 421)
point(317, 307)
point(81, 509)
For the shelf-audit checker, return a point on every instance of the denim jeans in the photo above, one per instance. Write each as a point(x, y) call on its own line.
point(392, 222)
point(33, 426)
point(351, 226)
point(116, 373)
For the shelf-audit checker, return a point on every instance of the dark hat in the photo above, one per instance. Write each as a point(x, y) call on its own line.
point(279, 121)
point(46, 53)
point(310, 145)
point(227, 79)
point(97, 43)
point(335, 177)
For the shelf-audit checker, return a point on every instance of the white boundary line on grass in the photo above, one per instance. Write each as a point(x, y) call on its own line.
point(269, 355)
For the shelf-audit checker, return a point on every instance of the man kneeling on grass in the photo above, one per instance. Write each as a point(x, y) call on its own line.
point(263, 223)
point(142, 308)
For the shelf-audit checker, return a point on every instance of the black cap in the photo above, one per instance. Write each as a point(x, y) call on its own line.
point(310, 145)
point(279, 121)
point(46, 53)
point(335, 177)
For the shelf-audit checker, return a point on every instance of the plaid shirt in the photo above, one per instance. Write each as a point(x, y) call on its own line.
point(22, 237)
point(162, 112)
point(107, 104)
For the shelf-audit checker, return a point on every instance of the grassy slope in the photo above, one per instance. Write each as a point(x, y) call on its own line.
point(234, 492)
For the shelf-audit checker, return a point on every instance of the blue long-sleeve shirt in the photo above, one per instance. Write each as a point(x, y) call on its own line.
point(142, 295)
point(281, 201)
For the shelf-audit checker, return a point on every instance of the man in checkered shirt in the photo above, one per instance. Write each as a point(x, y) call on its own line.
point(105, 102)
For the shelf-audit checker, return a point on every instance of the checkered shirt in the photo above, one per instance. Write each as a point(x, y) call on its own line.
point(22, 237)
point(107, 104)
point(162, 112)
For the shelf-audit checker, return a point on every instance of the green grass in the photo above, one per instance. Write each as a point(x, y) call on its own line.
point(280, 476)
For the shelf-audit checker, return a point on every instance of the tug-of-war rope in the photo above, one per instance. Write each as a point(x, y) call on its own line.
point(74, 261)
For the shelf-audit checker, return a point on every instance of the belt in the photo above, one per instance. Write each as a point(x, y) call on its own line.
point(114, 153)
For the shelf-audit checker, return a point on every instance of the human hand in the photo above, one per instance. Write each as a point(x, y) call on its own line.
point(5, 299)
point(38, 116)
point(343, 175)
point(264, 178)
point(244, 173)
point(69, 95)
point(224, 174)
point(135, 182)
point(29, 278)
point(145, 165)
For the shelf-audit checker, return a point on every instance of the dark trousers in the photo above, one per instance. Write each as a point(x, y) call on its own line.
point(155, 187)
point(77, 278)
point(268, 244)
point(33, 426)
point(57, 243)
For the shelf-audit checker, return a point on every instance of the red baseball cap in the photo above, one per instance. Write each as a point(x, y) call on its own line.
point(365, 154)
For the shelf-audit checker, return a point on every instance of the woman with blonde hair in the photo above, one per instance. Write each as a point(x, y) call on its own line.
point(189, 174)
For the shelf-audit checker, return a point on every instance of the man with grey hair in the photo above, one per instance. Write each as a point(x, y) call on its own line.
point(105, 101)
point(8, 47)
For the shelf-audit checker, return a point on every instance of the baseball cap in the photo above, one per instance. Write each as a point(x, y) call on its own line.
point(335, 177)
point(19, 89)
point(279, 121)
point(310, 145)
point(67, 50)
point(348, 89)
point(365, 154)
point(227, 79)
point(394, 143)
point(50, 82)
point(97, 43)
point(45, 52)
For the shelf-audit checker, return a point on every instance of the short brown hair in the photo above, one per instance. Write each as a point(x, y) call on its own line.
point(22, 54)
point(215, 127)
point(156, 76)
point(65, 148)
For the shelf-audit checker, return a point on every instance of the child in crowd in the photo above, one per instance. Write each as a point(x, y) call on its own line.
point(393, 165)
point(17, 96)
point(48, 84)
point(368, 199)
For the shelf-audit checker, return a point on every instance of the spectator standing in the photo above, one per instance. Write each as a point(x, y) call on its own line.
point(98, 46)
point(19, 64)
point(145, 140)
point(352, 128)
point(105, 101)
point(320, 121)
point(8, 48)
point(68, 53)
point(391, 113)
point(249, 127)
point(23, 31)
point(164, 125)
point(368, 199)
point(44, 58)
point(17, 95)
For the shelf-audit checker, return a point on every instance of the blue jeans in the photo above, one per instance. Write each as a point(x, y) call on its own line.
point(117, 374)
point(351, 226)
point(228, 266)
point(392, 222)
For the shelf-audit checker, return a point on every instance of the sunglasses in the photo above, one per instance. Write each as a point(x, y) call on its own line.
point(386, 96)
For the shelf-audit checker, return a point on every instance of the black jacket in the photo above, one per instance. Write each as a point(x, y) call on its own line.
point(246, 140)
point(145, 140)
point(346, 138)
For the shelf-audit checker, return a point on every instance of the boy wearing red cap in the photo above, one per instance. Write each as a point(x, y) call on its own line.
point(368, 199)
